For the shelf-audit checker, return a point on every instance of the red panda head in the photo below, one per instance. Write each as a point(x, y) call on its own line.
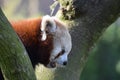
point(61, 40)
point(47, 40)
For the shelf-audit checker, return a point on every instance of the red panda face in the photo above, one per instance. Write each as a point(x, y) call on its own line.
point(61, 42)
point(47, 40)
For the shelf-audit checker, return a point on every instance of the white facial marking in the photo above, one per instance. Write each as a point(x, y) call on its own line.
point(61, 40)
point(44, 36)
point(63, 58)
point(52, 28)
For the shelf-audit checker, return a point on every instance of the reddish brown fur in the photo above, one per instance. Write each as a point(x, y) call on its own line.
point(30, 34)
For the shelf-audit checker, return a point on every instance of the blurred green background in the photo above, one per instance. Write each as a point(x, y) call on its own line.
point(104, 60)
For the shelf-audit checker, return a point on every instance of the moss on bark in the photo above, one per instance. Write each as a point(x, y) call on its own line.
point(14, 61)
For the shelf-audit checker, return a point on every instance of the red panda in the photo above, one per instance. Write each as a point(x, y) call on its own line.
point(46, 39)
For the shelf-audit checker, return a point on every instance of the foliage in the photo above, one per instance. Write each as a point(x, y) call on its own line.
point(104, 62)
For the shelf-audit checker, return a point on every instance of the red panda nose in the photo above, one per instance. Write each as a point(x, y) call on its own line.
point(65, 63)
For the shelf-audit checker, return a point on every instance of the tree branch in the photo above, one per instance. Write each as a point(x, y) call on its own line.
point(14, 61)
point(87, 20)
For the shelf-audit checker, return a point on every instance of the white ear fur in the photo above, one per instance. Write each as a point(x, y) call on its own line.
point(44, 36)
point(49, 24)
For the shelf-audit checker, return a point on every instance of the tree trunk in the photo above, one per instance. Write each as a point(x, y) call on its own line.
point(87, 20)
point(14, 61)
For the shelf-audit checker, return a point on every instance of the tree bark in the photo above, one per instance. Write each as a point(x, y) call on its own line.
point(14, 61)
point(87, 20)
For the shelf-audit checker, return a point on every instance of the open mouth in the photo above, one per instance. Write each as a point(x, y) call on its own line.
point(53, 64)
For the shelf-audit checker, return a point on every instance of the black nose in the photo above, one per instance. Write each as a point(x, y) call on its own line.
point(65, 63)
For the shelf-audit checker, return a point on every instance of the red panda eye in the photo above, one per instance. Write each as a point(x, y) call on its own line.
point(61, 53)
point(47, 31)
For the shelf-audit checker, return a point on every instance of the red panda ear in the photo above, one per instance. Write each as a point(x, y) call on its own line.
point(48, 25)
